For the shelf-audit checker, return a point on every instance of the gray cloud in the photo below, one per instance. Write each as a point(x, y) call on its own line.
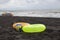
point(30, 4)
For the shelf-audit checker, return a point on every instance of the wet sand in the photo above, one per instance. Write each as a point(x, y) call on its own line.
point(8, 33)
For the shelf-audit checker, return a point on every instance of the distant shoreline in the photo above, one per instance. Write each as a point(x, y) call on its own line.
point(45, 10)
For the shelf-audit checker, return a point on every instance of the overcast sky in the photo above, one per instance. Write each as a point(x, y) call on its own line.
point(29, 4)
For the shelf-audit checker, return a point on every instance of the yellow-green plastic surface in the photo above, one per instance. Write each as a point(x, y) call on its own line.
point(34, 28)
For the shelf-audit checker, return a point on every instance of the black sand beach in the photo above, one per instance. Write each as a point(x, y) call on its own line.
point(8, 33)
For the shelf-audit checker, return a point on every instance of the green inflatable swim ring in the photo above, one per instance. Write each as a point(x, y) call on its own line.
point(34, 28)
